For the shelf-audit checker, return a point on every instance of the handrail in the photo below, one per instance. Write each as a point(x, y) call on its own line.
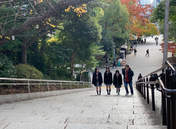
point(161, 84)
point(47, 84)
point(164, 66)
point(166, 89)
point(170, 65)
point(151, 73)
point(168, 93)
point(35, 80)
point(149, 82)
point(159, 80)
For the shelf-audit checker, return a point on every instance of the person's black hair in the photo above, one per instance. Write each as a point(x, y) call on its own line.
point(117, 71)
point(127, 65)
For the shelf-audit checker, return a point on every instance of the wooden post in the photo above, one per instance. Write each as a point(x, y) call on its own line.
point(29, 88)
point(147, 91)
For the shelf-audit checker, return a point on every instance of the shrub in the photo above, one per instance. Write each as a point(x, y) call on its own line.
point(61, 73)
point(7, 69)
point(83, 77)
point(28, 71)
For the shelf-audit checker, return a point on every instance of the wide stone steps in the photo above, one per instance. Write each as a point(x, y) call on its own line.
point(81, 110)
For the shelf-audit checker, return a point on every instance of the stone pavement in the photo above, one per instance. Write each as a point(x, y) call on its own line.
point(81, 110)
point(143, 64)
point(86, 110)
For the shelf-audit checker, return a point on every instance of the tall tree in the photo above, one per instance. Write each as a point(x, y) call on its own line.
point(114, 24)
point(158, 17)
point(139, 18)
point(27, 20)
point(78, 34)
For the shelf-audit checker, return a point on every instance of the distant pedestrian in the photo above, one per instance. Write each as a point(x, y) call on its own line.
point(153, 78)
point(139, 76)
point(128, 77)
point(117, 81)
point(142, 41)
point(163, 77)
point(139, 80)
point(135, 51)
point(114, 64)
point(147, 52)
point(97, 81)
point(156, 40)
point(108, 80)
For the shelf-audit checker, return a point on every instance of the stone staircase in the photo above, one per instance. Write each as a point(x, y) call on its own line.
point(117, 112)
point(82, 110)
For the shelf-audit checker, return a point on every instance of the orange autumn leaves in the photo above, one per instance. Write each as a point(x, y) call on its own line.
point(79, 10)
point(139, 18)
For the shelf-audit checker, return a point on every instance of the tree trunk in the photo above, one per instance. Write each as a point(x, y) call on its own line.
point(72, 62)
point(166, 30)
point(24, 53)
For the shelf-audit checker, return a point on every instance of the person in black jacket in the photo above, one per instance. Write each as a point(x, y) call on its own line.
point(139, 80)
point(97, 81)
point(117, 81)
point(128, 77)
point(108, 80)
point(163, 77)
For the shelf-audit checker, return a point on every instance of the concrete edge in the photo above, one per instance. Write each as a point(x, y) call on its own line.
point(29, 96)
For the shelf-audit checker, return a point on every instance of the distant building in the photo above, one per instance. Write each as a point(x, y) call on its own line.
point(144, 2)
point(155, 3)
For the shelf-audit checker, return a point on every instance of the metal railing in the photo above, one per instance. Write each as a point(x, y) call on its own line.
point(166, 84)
point(18, 85)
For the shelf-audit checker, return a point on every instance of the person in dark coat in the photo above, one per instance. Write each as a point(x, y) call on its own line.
point(147, 52)
point(139, 80)
point(139, 76)
point(135, 51)
point(108, 80)
point(97, 81)
point(156, 39)
point(163, 77)
point(117, 81)
point(128, 77)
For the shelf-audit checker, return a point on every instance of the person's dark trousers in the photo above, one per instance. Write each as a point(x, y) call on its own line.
point(107, 92)
point(126, 87)
point(99, 92)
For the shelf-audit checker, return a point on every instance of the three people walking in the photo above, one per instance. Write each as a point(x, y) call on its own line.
point(116, 80)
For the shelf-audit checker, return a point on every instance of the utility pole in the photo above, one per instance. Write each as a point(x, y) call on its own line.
point(114, 52)
point(166, 30)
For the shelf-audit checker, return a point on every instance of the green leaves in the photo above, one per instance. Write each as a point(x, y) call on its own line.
point(7, 69)
point(114, 24)
point(158, 16)
point(55, 40)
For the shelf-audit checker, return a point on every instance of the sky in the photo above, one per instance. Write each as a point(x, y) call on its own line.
point(147, 1)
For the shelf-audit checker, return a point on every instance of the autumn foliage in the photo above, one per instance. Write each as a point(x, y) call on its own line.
point(139, 18)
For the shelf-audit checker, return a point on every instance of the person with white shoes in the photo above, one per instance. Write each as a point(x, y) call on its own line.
point(128, 79)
